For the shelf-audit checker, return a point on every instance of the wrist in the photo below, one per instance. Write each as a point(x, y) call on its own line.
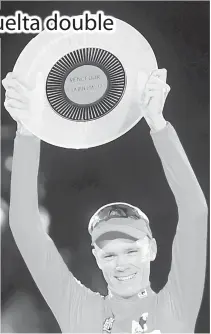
point(157, 123)
point(21, 130)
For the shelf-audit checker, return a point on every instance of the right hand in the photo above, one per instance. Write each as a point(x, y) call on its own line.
point(23, 103)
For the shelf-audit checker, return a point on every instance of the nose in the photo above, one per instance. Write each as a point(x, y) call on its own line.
point(121, 263)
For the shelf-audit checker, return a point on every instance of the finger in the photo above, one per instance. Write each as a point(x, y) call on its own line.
point(14, 104)
point(8, 82)
point(151, 95)
point(14, 84)
point(160, 73)
point(164, 88)
point(17, 114)
point(9, 76)
point(157, 80)
point(11, 93)
point(4, 82)
point(156, 85)
point(167, 90)
point(20, 80)
point(14, 75)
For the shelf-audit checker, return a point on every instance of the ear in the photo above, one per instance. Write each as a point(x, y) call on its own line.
point(153, 249)
point(94, 252)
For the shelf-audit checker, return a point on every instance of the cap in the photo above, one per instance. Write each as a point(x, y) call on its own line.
point(135, 228)
point(92, 83)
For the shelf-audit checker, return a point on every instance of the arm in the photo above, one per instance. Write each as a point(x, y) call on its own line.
point(186, 279)
point(60, 289)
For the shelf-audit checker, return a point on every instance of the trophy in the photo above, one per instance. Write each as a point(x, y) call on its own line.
point(92, 91)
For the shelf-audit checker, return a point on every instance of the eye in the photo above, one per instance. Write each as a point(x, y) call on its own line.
point(108, 256)
point(132, 251)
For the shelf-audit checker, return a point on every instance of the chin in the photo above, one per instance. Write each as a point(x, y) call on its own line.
point(126, 290)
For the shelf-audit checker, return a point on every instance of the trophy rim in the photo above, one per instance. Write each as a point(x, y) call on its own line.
point(122, 118)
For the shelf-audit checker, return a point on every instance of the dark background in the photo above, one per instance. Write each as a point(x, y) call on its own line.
point(73, 184)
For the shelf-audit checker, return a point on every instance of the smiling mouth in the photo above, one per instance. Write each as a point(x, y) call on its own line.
point(125, 278)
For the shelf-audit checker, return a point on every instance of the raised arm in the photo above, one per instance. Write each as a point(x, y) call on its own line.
point(62, 292)
point(37, 249)
point(183, 292)
point(185, 285)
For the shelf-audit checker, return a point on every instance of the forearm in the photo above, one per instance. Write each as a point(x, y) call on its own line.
point(24, 195)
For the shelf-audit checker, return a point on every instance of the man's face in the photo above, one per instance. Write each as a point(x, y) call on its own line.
point(125, 265)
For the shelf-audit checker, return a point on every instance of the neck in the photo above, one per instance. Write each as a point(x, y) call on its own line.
point(141, 294)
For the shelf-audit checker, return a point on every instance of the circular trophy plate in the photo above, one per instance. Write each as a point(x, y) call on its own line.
point(93, 83)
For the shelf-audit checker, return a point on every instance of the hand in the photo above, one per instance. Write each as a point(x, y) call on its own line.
point(23, 103)
point(153, 99)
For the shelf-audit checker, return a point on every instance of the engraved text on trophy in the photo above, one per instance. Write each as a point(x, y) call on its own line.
point(86, 84)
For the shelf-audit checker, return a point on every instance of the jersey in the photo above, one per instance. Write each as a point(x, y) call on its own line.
point(76, 308)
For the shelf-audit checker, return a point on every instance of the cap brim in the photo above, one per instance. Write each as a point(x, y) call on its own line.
point(122, 230)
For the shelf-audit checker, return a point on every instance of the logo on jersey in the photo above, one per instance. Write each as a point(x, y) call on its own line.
point(141, 326)
point(108, 324)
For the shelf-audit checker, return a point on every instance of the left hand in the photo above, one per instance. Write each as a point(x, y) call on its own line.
point(153, 99)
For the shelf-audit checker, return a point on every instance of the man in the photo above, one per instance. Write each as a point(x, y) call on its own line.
point(121, 236)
